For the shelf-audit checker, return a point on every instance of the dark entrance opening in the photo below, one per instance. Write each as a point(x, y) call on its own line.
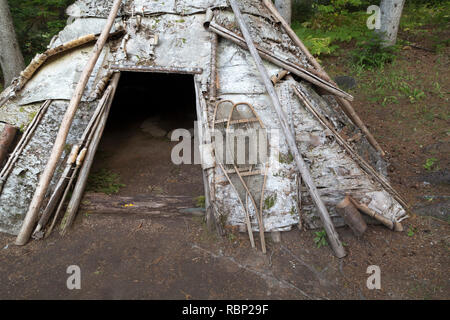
point(134, 155)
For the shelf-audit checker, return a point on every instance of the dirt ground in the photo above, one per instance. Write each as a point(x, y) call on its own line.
point(136, 257)
point(140, 257)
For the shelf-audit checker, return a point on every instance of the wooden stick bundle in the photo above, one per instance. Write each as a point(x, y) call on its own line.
point(73, 159)
point(364, 165)
point(85, 168)
point(333, 237)
point(212, 213)
point(22, 143)
point(344, 103)
point(58, 147)
point(59, 189)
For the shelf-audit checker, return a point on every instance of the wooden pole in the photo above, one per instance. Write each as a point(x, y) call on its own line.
point(58, 147)
point(344, 103)
point(279, 76)
point(6, 139)
point(247, 214)
point(306, 74)
point(80, 185)
point(351, 215)
point(333, 237)
point(213, 78)
point(59, 189)
point(212, 214)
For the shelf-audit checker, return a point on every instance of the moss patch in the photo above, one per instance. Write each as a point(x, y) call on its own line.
point(104, 181)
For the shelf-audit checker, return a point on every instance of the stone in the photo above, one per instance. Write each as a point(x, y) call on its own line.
point(151, 126)
point(345, 82)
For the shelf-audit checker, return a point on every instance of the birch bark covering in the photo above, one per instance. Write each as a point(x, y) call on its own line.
point(186, 44)
point(391, 11)
point(11, 59)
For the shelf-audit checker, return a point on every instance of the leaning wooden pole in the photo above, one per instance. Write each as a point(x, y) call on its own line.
point(333, 237)
point(58, 147)
point(344, 103)
point(85, 168)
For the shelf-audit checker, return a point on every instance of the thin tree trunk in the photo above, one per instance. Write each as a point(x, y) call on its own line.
point(284, 7)
point(391, 11)
point(11, 59)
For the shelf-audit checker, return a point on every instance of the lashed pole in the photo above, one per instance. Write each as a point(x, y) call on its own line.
point(58, 147)
point(333, 237)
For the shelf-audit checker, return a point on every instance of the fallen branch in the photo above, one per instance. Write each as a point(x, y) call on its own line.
point(155, 206)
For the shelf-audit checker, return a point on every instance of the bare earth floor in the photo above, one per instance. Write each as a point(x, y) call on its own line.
point(136, 257)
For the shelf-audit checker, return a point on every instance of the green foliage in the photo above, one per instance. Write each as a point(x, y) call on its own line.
point(200, 202)
point(411, 231)
point(104, 181)
point(333, 22)
point(269, 202)
point(285, 158)
point(370, 53)
point(429, 163)
point(417, 15)
point(36, 22)
point(413, 94)
point(320, 239)
point(336, 6)
point(330, 23)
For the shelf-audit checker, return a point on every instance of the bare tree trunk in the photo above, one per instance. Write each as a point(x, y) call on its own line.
point(391, 11)
point(11, 59)
point(284, 7)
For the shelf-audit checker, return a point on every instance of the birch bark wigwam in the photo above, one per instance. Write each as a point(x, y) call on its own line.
point(11, 59)
point(235, 77)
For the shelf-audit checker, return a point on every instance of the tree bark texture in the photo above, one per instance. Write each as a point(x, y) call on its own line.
point(284, 7)
point(11, 59)
point(391, 12)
